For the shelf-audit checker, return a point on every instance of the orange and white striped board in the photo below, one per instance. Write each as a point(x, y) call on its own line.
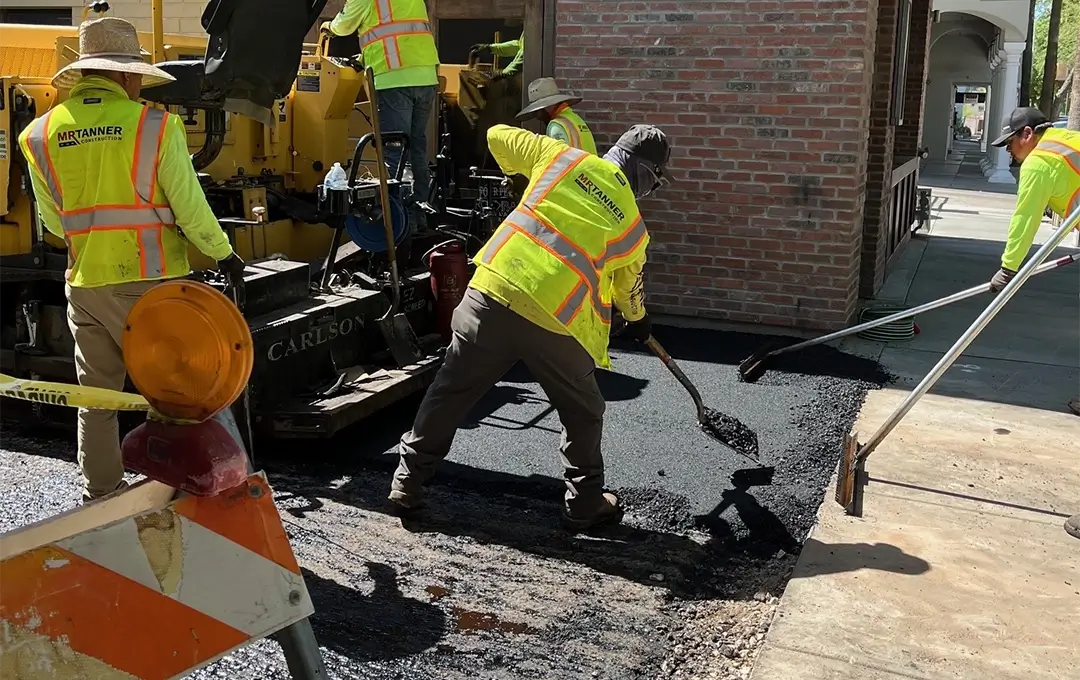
point(142, 585)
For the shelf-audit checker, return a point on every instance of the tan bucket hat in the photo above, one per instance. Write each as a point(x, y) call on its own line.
point(543, 92)
point(110, 44)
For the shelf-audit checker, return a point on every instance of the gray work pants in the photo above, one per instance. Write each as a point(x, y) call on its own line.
point(488, 340)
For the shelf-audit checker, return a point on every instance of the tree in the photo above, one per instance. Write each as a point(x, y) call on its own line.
point(1046, 101)
point(1067, 36)
point(1074, 94)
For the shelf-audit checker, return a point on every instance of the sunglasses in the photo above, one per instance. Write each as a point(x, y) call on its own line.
point(658, 179)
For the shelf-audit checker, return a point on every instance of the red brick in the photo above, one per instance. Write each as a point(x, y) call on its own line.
point(769, 120)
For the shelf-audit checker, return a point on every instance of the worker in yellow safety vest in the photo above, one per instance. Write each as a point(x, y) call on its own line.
point(511, 48)
point(1049, 177)
point(396, 42)
point(552, 107)
point(543, 293)
point(114, 179)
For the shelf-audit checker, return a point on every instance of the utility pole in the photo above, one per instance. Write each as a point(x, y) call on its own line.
point(1046, 101)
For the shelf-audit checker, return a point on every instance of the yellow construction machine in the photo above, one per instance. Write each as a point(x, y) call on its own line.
point(267, 116)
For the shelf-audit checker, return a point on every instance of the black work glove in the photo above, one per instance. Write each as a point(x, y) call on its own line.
point(233, 268)
point(502, 74)
point(1001, 279)
point(480, 49)
point(640, 330)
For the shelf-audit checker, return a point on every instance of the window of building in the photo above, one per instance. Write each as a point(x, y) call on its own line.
point(50, 16)
point(900, 60)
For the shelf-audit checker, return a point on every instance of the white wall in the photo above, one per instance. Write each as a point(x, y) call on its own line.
point(955, 59)
point(1010, 15)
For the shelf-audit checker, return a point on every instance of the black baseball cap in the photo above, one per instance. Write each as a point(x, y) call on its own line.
point(648, 142)
point(1023, 117)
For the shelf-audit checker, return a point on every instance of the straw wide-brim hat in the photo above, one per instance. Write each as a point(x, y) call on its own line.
point(110, 44)
point(543, 92)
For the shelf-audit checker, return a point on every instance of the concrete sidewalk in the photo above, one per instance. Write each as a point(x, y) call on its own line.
point(960, 567)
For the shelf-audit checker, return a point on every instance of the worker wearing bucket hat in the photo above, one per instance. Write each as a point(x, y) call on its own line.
point(552, 107)
point(114, 180)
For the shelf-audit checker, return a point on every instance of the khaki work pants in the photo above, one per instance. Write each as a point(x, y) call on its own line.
point(96, 317)
point(489, 339)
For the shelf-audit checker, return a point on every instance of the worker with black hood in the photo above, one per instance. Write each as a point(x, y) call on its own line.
point(543, 292)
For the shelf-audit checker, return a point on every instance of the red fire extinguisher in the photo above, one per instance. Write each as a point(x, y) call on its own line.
point(449, 267)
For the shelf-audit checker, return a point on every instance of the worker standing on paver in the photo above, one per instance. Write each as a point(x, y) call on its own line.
point(542, 294)
point(1049, 177)
point(552, 107)
point(396, 42)
point(114, 179)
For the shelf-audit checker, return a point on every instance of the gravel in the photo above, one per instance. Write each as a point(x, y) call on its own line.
point(485, 583)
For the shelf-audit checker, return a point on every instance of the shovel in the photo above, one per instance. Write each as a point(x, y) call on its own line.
point(394, 326)
point(725, 429)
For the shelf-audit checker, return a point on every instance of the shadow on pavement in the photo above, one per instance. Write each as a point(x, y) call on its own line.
point(833, 558)
point(378, 620)
point(731, 348)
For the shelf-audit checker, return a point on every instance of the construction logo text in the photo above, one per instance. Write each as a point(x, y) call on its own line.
point(597, 193)
point(100, 133)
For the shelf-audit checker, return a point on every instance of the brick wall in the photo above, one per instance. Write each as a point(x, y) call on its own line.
point(766, 102)
point(880, 157)
point(909, 135)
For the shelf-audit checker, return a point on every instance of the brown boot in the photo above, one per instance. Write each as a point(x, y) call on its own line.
point(609, 513)
point(1072, 526)
point(87, 498)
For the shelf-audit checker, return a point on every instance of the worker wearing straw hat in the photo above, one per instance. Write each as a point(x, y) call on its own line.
point(114, 179)
point(552, 108)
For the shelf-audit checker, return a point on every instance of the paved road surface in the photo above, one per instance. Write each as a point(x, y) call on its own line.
point(485, 583)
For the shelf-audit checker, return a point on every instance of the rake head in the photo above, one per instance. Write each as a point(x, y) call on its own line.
point(851, 477)
point(753, 367)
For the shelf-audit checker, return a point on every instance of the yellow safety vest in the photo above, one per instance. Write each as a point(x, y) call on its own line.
point(580, 135)
point(99, 159)
point(396, 34)
point(1062, 149)
point(577, 224)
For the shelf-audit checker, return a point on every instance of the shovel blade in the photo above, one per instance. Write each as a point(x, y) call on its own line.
point(401, 339)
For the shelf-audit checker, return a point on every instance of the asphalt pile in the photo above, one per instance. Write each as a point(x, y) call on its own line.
point(486, 583)
point(730, 432)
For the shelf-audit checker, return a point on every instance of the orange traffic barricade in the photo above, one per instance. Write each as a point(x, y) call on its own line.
point(176, 571)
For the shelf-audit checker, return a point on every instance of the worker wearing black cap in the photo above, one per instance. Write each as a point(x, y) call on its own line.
point(543, 292)
point(1049, 177)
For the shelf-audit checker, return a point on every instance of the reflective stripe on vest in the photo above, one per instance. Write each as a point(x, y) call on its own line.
point(387, 31)
point(144, 217)
point(523, 220)
point(571, 130)
point(1072, 157)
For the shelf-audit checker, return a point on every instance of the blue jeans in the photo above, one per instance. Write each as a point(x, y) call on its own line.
point(408, 109)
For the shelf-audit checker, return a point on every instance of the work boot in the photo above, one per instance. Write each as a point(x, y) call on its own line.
point(403, 500)
point(1072, 526)
point(1074, 405)
point(86, 497)
point(609, 513)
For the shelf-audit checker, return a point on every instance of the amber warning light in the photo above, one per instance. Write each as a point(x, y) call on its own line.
point(189, 352)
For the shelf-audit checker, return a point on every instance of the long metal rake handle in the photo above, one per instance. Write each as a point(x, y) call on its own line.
point(925, 307)
point(1027, 271)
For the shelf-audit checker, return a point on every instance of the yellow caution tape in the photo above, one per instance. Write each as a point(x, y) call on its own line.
point(77, 396)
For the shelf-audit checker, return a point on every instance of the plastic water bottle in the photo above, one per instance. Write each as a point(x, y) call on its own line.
point(336, 178)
